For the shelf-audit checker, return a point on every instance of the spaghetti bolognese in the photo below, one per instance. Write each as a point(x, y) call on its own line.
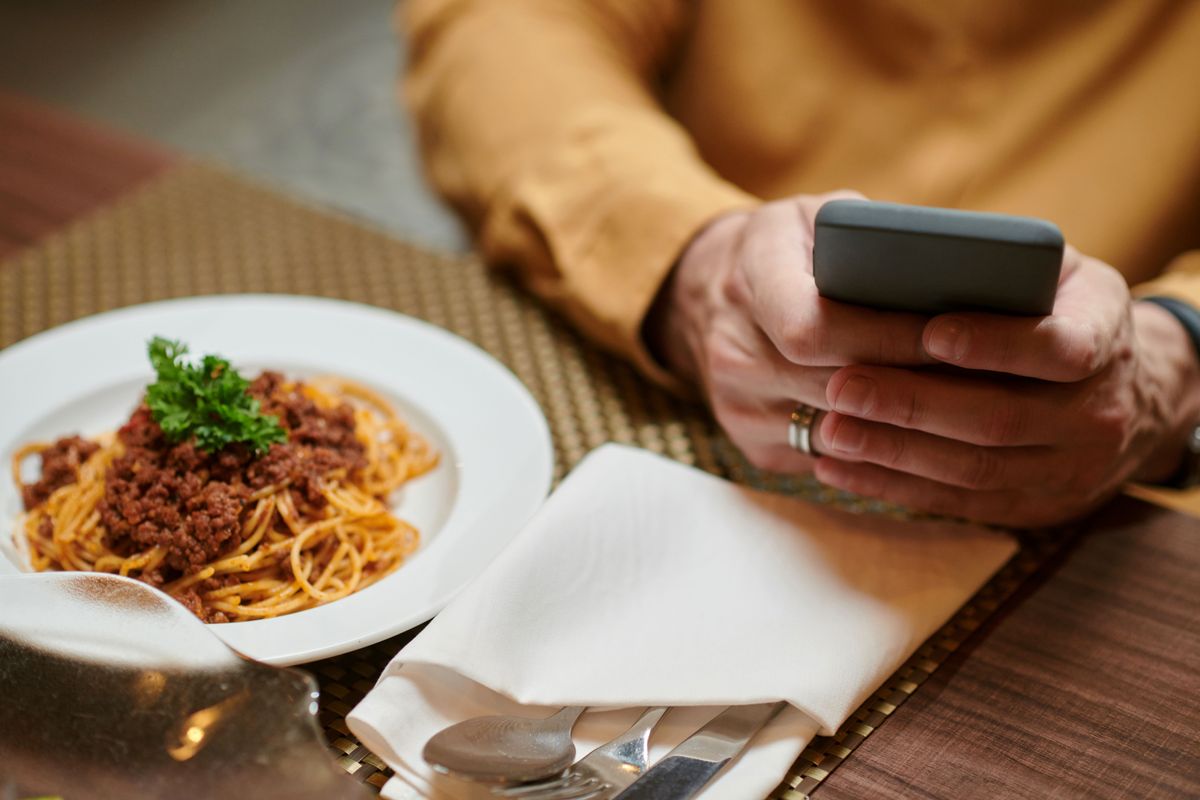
point(269, 499)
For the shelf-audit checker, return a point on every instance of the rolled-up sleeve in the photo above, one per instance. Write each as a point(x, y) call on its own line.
point(539, 121)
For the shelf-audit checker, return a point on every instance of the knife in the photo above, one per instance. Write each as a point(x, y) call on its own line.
point(686, 770)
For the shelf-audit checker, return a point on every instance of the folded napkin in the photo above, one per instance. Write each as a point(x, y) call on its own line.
point(643, 582)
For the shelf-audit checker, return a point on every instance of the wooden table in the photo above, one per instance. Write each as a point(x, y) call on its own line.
point(1087, 683)
point(55, 168)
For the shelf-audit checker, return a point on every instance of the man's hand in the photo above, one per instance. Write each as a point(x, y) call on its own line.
point(1040, 421)
point(1009, 420)
point(741, 318)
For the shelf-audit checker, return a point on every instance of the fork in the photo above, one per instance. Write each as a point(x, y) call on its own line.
point(599, 775)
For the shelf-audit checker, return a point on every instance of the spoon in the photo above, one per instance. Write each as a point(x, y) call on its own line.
point(505, 749)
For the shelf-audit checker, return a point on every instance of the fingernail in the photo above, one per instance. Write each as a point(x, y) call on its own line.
point(848, 438)
point(856, 398)
point(948, 339)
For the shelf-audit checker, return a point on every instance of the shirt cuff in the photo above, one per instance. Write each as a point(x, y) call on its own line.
point(596, 226)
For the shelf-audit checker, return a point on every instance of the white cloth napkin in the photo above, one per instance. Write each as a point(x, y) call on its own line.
point(644, 582)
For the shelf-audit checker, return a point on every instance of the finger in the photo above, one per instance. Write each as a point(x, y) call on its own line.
point(806, 328)
point(1009, 508)
point(966, 408)
point(819, 443)
point(1071, 344)
point(749, 373)
point(939, 459)
point(764, 439)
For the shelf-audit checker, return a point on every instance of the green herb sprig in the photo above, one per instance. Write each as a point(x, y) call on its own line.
point(207, 400)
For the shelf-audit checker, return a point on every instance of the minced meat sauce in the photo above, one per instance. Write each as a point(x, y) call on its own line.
point(60, 466)
point(194, 504)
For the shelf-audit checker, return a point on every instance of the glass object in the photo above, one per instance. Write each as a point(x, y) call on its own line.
point(109, 689)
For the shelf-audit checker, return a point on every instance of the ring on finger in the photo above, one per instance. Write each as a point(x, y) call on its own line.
point(800, 429)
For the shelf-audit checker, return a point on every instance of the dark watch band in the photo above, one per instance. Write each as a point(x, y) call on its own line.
point(1188, 315)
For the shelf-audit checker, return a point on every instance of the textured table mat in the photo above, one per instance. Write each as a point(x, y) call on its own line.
point(196, 230)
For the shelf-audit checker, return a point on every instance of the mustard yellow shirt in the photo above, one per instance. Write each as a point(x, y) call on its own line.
point(586, 141)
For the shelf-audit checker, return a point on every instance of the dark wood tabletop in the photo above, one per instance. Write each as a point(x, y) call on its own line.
point(55, 168)
point(1084, 684)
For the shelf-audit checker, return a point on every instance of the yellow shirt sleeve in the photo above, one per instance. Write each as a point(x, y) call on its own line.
point(1180, 280)
point(539, 121)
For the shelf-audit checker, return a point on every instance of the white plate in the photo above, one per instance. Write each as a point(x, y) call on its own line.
point(496, 456)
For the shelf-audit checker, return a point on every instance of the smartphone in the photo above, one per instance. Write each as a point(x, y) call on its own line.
point(934, 260)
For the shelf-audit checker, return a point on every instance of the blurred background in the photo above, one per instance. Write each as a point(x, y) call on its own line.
point(297, 93)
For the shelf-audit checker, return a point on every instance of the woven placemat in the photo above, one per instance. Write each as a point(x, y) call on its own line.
point(197, 230)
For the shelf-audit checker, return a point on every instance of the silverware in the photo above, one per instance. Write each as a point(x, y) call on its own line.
point(601, 773)
point(686, 770)
point(504, 749)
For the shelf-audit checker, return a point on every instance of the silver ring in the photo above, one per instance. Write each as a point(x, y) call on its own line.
point(800, 429)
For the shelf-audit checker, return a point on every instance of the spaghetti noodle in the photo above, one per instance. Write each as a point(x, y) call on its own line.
point(232, 536)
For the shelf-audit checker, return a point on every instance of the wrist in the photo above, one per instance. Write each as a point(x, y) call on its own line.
point(676, 320)
point(1168, 343)
point(662, 328)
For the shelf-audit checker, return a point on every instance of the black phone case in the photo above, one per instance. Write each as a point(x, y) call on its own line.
point(934, 260)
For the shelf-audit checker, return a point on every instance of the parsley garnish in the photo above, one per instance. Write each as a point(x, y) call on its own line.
point(206, 400)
